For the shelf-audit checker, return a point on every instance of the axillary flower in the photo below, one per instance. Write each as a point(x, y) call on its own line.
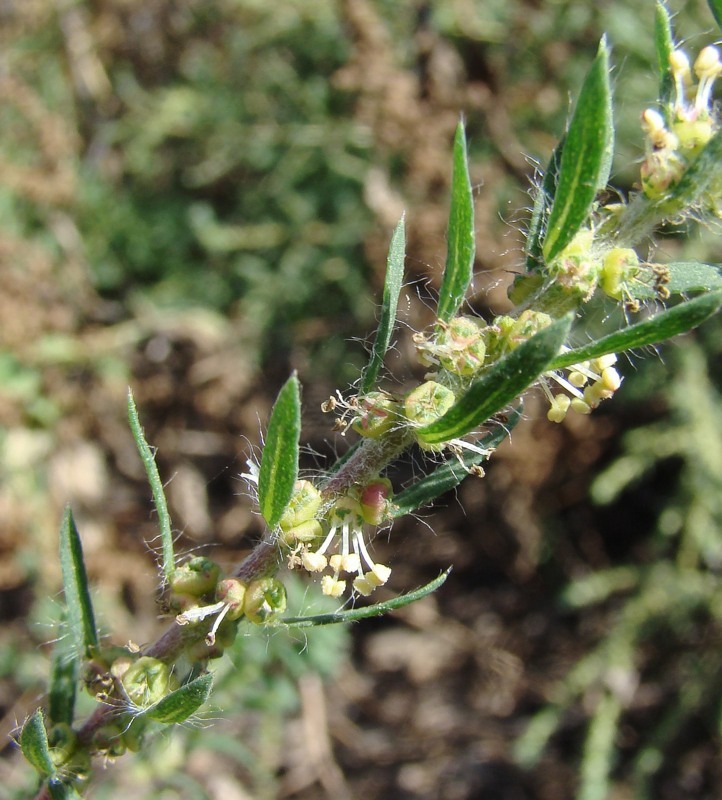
point(344, 523)
point(586, 385)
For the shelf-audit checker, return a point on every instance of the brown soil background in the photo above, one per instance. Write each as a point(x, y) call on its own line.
point(428, 701)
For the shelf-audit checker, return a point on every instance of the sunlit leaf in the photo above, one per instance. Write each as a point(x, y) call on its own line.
point(659, 328)
point(183, 702)
point(34, 744)
point(586, 158)
point(75, 586)
point(461, 245)
point(147, 456)
point(279, 463)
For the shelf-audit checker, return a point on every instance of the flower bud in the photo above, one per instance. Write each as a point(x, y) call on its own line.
point(63, 742)
point(377, 414)
point(461, 347)
point(620, 265)
point(425, 405)
point(196, 577)
point(306, 532)
point(303, 506)
point(109, 739)
point(232, 592)
point(147, 681)
point(374, 501)
point(265, 599)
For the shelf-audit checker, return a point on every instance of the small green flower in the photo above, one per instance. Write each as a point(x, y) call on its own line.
point(265, 600)
point(147, 680)
point(196, 577)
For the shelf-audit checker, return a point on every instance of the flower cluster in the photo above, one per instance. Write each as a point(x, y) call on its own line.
point(677, 135)
point(332, 539)
point(585, 386)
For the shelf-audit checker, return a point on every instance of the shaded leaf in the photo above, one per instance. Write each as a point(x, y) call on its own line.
point(75, 586)
point(543, 201)
point(392, 289)
point(715, 6)
point(34, 744)
point(684, 277)
point(586, 158)
point(364, 612)
point(451, 473)
point(664, 45)
point(501, 385)
point(63, 683)
point(183, 702)
point(147, 455)
point(63, 791)
point(279, 463)
point(461, 246)
point(659, 328)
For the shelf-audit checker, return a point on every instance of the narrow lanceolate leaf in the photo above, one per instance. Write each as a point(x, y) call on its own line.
point(453, 471)
point(183, 702)
point(542, 204)
point(586, 159)
point(75, 586)
point(460, 256)
point(715, 7)
point(34, 744)
point(659, 328)
point(664, 45)
point(392, 289)
point(684, 277)
point(63, 683)
point(501, 385)
point(279, 463)
point(147, 455)
point(364, 612)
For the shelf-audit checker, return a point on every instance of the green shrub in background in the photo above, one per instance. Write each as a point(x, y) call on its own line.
point(583, 256)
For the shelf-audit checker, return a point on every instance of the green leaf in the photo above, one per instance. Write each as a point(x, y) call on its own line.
point(461, 245)
point(392, 289)
point(364, 612)
point(715, 6)
point(684, 277)
point(664, 45)
point(63, 683)
point(502, 384)
point(451, 473)
point(147, 455)
point(662, 326)
point(63, 791)
point(75, 586)
point(542, 203)
point(279, 463)
point(183, 702)
point(34, 744)
point(586, 158)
